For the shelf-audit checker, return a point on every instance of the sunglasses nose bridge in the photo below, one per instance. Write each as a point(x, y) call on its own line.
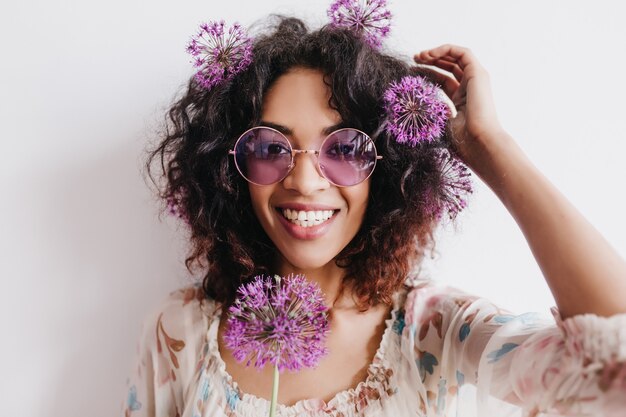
point(313, 151)
point(295, 152)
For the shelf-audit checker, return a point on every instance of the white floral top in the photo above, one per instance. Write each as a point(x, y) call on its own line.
point(443, 353)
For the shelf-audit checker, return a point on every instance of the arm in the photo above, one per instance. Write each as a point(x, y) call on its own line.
point(576, 367)
point(584, 273)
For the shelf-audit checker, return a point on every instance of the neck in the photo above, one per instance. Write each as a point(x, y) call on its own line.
point(328, 277)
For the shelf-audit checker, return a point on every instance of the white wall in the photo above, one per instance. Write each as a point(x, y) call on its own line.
point(82, 84)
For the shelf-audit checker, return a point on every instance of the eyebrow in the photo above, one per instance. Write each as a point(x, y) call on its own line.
point(287, 131)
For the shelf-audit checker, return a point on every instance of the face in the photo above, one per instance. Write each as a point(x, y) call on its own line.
point(298, 101)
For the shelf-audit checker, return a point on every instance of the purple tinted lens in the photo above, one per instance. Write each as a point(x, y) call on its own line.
point(263, 156)
point(347, 157)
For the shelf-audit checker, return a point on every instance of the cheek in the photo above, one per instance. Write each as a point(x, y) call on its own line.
point(259, 197)
point(357, 198)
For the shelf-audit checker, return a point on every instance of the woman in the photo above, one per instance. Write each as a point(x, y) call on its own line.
point(398, 344)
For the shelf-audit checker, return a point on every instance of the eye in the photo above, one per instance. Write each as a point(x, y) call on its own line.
point(276, 149)
point(341, 149)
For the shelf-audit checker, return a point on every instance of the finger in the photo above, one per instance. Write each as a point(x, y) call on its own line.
point(428, 58)
point(450, 67)
point(447, 66)
point(462, 56)
point(446, 62)
point(448, 83)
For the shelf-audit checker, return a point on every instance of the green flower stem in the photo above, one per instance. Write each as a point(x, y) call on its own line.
point(274, 392)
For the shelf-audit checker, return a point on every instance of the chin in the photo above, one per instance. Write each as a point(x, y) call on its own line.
point(307, 261)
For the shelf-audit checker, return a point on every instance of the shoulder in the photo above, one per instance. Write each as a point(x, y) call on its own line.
point(184, 309)
point(434, 310)
point(431, 301)
point(173, 333)
point(427, 294)
point(183, 313)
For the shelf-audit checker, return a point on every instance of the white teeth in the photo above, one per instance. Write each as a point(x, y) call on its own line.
point(307, 218)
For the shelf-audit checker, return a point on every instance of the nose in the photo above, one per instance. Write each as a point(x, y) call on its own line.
point(305, 177)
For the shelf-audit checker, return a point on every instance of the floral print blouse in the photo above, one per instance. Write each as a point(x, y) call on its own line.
point(443, 353)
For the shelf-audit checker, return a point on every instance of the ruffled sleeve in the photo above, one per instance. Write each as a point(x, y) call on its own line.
point(516, 365)
point(170, 338)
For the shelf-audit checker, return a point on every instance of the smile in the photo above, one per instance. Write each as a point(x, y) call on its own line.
point(306, 225)
point(306, 218)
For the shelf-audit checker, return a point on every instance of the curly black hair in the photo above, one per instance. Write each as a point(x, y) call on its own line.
point(228, 243)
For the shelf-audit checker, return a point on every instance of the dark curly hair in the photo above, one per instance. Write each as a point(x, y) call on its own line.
point(228, 243)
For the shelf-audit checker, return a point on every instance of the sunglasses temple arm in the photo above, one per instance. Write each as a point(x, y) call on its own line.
point(379, 130)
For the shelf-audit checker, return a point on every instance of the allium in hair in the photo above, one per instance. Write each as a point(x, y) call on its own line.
point(278, 320)
point(455, 184)
point(175, 206)
point(415, 113)
point(219, 54)
point(369, 18)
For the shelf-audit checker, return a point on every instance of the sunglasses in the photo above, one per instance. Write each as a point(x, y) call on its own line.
point(264, 156)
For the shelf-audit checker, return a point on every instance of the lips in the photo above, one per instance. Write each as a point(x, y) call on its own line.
point(307, 232)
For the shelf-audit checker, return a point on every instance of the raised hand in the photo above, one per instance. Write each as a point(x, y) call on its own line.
point(476, 122)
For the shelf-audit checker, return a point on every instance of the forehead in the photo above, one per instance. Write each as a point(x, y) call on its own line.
point(299, 100)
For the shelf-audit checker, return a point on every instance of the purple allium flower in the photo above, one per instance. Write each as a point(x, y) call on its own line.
point(454, 186)
point(219, 55)
point(175, 206)
point(414, 110)
point(369, 18)
point(278, 320)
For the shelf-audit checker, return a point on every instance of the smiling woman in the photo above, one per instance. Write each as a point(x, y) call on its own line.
point(306, 86)
point(324, 156)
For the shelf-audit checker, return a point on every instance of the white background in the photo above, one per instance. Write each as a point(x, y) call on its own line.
point(83, 85)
